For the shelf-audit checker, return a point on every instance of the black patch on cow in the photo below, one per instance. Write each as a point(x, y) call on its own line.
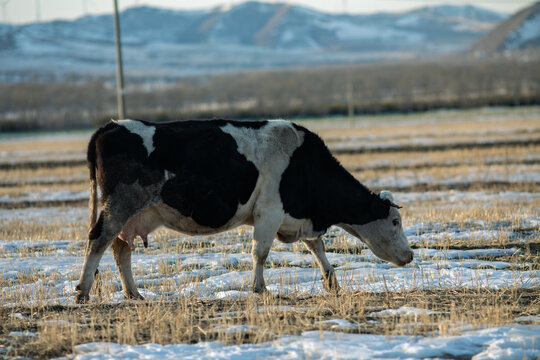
point(243, 123)
point(216, 122)
point(122, 157)
point(315, 186)
point(211, 178)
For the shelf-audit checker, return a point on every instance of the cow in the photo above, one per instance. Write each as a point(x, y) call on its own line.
point(205, 177)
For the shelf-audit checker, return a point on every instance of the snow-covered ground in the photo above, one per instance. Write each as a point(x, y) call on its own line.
point(512, 342)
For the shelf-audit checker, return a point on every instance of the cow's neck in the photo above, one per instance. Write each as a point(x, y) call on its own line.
point(345, 200)
point(316, 186)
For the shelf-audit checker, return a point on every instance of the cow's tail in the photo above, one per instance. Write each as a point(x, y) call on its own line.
point(91, 157)
point(93, 200)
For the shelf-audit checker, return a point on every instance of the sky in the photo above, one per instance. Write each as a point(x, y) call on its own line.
point(24, 11)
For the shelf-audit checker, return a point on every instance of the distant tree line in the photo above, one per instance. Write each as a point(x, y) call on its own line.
point(289, 93)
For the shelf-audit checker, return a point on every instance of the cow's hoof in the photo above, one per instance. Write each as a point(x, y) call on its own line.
point(331, 285)
point(260, 290)
point(82, 299)
point(133, 296)
point(331, 289)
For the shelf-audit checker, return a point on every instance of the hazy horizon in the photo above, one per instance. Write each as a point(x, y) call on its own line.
point(27, 11)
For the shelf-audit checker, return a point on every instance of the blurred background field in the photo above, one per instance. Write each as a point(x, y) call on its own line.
point(262, 59)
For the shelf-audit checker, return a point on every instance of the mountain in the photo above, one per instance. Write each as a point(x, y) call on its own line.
point(249, 35)
point(518, 32)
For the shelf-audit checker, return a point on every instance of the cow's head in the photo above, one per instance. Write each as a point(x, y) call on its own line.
point(384, 235)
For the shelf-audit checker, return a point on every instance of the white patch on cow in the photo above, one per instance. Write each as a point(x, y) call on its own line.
point(270, 146)
point(144, 131)
point(270, 149)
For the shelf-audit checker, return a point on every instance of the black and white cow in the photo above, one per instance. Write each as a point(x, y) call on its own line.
point(204, 177)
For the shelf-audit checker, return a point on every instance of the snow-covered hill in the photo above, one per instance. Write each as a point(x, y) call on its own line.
point(518, 32)
point(527, 33)
point(248, 35)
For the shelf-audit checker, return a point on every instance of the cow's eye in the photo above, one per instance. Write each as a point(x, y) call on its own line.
point(395, 222)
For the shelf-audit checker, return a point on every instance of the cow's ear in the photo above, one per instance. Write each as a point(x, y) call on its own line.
point(389, 197)
point(395, 205)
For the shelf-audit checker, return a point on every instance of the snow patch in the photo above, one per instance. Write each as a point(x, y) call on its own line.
point(23, 334)
point(340, 324)
point(529, 318)
point(517, 342)
point(403, 311)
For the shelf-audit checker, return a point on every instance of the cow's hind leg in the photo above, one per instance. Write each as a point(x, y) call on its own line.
point(316, 247)
point(99, 239)
point(122, 257)
point(117, 209)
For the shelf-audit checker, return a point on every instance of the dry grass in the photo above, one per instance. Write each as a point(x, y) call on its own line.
point(26, 189)
point(17, 230)
point(53, 143)
point(42, 172)
point(430, 124)
point(474, 156)
point(448, 139)
point(480, 173)
point(190, 320)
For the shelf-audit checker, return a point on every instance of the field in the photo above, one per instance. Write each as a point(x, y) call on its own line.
point(469, 184)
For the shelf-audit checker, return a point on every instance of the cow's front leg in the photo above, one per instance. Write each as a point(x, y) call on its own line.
point(316, 247)
point(260, 250)
point(264, 234)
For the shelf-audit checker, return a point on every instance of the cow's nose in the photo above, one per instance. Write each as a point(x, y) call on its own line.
point(405, 259)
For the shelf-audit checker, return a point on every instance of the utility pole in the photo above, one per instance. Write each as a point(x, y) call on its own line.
point(4, 13)
point(38, 11)
point(119, 68)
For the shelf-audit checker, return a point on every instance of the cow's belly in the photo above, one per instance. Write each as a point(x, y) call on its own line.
point(293, 229)
point(163, 214)
point(173, 220)
point(155, 216)
point(146, 221)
